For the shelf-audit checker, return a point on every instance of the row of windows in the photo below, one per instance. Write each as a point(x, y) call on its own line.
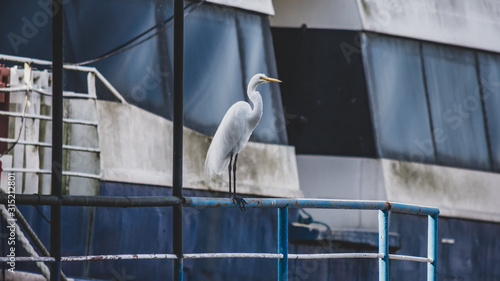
point(433, 103)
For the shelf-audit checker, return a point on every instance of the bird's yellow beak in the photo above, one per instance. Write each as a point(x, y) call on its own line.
point(269, 79)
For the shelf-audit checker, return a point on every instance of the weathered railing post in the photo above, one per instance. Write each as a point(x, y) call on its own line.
point(383, 244)
point(283, 243)
point(432, 246)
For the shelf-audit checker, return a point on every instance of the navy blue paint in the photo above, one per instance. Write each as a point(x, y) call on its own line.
point(76, 227)
point(473, 256)
point(338, 269)
point(358, 238)
point(147, 230)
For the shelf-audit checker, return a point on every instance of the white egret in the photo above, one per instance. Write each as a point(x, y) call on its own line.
point(233, 134)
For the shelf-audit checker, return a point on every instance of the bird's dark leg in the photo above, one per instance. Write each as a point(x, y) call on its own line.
point(237, 200)
point(234, 173)
point(229, 170)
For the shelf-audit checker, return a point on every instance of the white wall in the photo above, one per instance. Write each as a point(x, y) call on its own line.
point(261, 6)
point(456, 192)
point(473, 24)
point(466, 23)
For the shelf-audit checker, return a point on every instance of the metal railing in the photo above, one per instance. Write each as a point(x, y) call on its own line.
point(282, 255)
point(30, 87)
point(93, 72)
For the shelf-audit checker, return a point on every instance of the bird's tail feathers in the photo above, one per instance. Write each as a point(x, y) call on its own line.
point(214, 164)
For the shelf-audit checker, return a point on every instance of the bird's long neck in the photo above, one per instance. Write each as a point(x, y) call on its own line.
point(256, 99)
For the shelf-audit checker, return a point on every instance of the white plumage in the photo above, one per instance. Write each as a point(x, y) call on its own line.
point(234, 131)
point(231, 136)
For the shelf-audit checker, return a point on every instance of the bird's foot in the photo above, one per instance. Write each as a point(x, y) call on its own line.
point(240, 202)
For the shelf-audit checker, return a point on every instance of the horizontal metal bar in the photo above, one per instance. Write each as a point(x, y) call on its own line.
point(91, 258)
point(24, 59)
point(27, 259)
point(200, 202)
point(46, 144)
point(70, 67)
point(42, 92)
point(203, 202)
point(80, 122)
point(47, 118)
point(335, 256)
point(81, 175)
point(66, 94)
point(413, 209)
point(144, 257)
point(27, 115)
point(65, 173)
point(77, 95)
point(80, 68)
point(216, 256)
point(119, 257)
point(233, 255)
point(14, 89)
point(409, 258)
point(93, 201)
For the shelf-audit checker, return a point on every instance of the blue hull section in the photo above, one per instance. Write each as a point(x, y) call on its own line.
point(86, 230)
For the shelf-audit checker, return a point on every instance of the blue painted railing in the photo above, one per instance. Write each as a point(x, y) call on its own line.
point(383, 256)
point(383, 208)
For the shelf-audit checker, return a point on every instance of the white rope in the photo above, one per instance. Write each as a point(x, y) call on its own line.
point(26, 244)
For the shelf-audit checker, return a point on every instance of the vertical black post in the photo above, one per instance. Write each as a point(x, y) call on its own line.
point(178, 131)
point(57, 126)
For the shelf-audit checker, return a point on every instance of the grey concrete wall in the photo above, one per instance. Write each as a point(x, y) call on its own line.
point(136, 147)
point(458, 193)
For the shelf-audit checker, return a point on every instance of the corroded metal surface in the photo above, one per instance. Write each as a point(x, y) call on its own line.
point(233, 255)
